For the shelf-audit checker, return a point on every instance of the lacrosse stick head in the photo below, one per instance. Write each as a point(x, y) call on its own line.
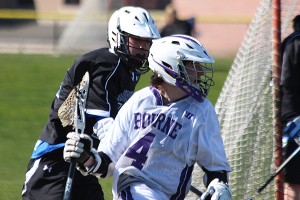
point(77, 96)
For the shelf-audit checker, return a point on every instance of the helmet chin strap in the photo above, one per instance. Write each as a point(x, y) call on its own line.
point(139, 67)
point(136, 66)
point(190, 90)
point(141, 56)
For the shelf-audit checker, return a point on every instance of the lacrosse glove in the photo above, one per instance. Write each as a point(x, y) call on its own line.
point(217, 190)
point(292, 129)
point(78, 147)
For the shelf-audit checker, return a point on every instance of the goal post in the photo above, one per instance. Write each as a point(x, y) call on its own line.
point(248, 106)
point(276, 51)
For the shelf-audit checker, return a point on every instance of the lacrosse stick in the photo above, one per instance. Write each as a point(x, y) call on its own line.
point(79, 124)
point(196, 191)
point(279, 169)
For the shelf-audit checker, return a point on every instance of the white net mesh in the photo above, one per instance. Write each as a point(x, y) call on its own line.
point(245, 107)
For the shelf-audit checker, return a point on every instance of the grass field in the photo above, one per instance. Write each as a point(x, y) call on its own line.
point(28, 84)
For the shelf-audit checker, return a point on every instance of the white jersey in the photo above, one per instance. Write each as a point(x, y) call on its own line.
point(159, 144)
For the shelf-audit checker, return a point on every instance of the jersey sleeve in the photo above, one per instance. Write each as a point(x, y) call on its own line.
point(211, 152)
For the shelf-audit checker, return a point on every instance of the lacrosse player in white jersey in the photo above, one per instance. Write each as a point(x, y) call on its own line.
point(162, 131)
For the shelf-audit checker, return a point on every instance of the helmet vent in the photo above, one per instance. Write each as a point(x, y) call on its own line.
point(206, 53)
point(166, 64)
point(168, 69)
point(146, 17)
point(189, 46)
point(175, 42)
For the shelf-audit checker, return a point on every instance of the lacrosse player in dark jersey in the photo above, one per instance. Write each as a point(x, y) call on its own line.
point(162, 131)
point(113, 75)
point(290, 108)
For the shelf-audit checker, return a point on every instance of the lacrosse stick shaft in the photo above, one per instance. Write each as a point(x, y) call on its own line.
point(72, 168)
point(69, 182)
point(195, 191)
point(279, 169)
point(71, 173)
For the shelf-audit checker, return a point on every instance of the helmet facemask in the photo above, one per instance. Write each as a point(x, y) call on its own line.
point(137, 62)
point(194, 77)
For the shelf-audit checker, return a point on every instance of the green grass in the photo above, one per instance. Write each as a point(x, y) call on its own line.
point(28, 84)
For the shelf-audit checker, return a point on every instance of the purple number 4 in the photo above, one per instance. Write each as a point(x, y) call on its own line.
point(139, 150)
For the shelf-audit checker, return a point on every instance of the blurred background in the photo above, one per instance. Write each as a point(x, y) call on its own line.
point(77, 26)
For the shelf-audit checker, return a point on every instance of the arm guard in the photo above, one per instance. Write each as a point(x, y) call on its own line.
point(106, 168)
point(209, 176)
point(102, 168)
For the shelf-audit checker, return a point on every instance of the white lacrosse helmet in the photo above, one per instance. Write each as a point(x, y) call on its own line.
point(168, 56)
point(131, 21)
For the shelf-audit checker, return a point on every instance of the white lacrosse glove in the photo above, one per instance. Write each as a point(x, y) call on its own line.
point(102, 126)
point(78, 147)
point(217, 190)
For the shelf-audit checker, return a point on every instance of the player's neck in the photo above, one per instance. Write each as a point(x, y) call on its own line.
point(170, 93)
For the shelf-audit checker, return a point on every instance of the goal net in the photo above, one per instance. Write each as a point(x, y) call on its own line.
point(245, 106)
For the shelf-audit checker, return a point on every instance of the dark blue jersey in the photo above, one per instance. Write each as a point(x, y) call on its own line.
point(290, 84)
point(111, 85)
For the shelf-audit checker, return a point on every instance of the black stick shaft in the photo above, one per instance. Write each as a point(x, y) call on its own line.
point(196, 191)
point(279, 170)
point(69, 182)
